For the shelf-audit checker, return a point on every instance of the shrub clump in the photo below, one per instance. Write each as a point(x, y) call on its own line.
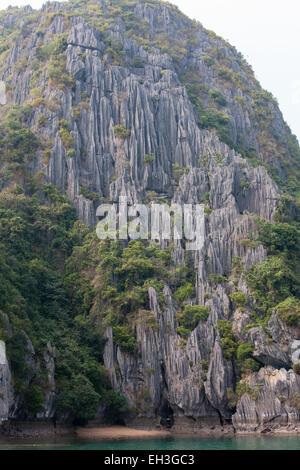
point(239, 298)
point(217, 96)
point(34, 399)
point(192, 314)
point(184, 292)
point(289, 311)
point(241, 389)
point(121, 132)
point(116, 407)
point(66, 137)
point(124, 338)
point(79, 400)
point(244, 351)
point(148, 158)
point(229, 345)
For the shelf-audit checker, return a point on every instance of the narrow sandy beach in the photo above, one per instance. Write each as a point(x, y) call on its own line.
point(119, 432)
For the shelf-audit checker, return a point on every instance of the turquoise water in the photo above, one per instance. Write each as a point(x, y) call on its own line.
point(233, 443)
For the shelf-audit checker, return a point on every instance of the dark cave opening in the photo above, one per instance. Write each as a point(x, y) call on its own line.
point(228, 421)
point(166, 412)
point(166, 415)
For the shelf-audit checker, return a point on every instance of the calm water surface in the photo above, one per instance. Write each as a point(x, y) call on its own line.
point(225, 443)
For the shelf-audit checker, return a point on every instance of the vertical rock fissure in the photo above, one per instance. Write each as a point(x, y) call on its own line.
point(165, 409)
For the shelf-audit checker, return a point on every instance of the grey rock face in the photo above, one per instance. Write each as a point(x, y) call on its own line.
point(157, 111)
point(168, 380)
point(275, 345)
point(165, 379)
point(6, 324)
point(16, 410)
point(268, 353)
point(6, 393)
point(277, 403)
point(10, 402)
point(49, 407)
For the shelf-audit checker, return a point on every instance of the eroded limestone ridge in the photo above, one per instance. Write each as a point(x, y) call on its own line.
point(133, 98)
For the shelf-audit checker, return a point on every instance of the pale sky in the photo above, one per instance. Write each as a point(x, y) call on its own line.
point(267, 33)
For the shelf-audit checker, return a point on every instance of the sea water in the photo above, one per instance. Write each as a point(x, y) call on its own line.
point(194, 443)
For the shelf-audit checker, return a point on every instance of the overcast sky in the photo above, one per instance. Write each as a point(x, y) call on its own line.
point(267, 33)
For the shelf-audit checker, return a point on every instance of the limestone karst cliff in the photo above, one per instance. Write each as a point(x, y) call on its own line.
point(132, 98)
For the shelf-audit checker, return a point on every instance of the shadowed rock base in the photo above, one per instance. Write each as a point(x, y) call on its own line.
point(30, 429)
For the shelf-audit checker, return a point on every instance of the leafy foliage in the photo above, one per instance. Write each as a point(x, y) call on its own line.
point(228, 341)
point(239, 298)
point(38, 234)
point(121, 275)
point(245, 351)
point(280, 238)
point(121, 132)
point(242, 388)
point(79, 400)
point(66, 137)
point(190, 317)
point(148, 158)
point(116, 407)
point(271, 281)
point(289, 311)
point(59, 283)
point(125, 339)
point(17, 143)
point(34, 398)
point(184, 292)
point(217, 96)
point(276, 279)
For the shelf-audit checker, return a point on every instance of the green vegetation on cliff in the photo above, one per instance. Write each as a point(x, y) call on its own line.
point(38, 233)
point(276, 280)
point(59, 285)
point(225, 66)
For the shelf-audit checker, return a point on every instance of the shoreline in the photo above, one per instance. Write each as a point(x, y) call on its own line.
point(45, 431)
point(120, 432)
point(115, 433)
